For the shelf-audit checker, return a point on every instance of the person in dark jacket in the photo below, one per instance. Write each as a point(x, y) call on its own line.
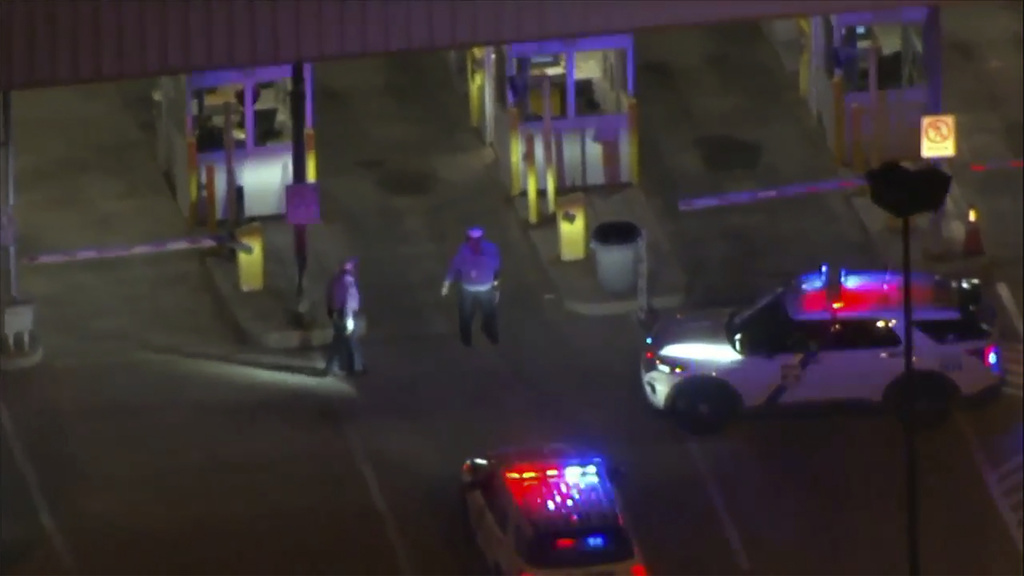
point(343, 309)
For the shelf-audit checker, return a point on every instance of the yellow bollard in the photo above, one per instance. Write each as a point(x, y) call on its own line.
point(633, 128)
point(515, 152)
point(310, 155)
point(805, 54)
point(530, 157)
point(572, 227)
point(211, 198)
point(250, 266)
point(193, 183)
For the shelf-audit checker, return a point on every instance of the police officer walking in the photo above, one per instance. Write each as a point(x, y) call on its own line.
point(343, 310)
point(476, 267)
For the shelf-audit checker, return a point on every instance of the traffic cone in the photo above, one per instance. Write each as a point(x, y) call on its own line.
point(973, 246)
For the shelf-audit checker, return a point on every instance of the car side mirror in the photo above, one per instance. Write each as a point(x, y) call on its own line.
point(473, 472)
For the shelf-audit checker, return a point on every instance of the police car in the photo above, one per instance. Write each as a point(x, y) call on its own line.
point(831, 335)
point(548, 510)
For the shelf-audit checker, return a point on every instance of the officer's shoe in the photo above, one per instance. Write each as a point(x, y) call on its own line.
point(356, 373)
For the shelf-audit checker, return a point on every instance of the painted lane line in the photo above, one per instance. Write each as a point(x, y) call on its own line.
point(1011, 307)
point(731, 532)
point(377, 495)
point(1014, 391)
point(1011, 516)
point(24, 465)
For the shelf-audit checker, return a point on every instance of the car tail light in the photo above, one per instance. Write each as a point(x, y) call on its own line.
point(638, 570)
point(989, 355)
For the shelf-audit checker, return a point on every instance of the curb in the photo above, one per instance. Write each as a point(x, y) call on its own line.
point(621, 306)
point(15, 362)
point(285, 339)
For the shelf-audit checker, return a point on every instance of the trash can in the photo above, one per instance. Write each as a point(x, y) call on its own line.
point(616, 252)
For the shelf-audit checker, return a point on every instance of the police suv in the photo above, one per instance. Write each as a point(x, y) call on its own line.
point(828, 336)
point(548, 510)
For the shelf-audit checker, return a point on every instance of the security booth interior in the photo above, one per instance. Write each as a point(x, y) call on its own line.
point(868, 80)
point(560, 112)
point(210, 122)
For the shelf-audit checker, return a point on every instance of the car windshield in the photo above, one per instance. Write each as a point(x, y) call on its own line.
point(580, 548)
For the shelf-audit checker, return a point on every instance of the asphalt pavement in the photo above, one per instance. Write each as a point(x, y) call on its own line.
point(737, 123)
point(156, 444)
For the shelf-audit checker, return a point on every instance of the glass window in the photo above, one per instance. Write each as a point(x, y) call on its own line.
point(859, 335)
point(210, 108)
point(271, 113)
point(954, 331)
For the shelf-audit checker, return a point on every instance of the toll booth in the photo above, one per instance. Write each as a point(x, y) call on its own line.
point(877, 74)
point(208, 120)
point(563, 110)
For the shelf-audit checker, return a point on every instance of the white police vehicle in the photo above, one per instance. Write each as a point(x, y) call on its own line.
point(828, 336)
point(548, 510)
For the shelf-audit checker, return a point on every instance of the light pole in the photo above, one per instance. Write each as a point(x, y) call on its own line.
point(904, 193)
point(298, 105)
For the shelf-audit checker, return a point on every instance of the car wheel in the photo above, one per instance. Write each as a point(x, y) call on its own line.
point(932, 400)
point(704, 407)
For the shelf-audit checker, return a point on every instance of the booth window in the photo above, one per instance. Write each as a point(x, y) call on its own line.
point(208, 116)
point(895, 64)
point(600, 82)
point(271, 113)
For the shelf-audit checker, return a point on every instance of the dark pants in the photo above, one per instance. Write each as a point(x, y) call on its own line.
point(484, 301)
point(345, 352)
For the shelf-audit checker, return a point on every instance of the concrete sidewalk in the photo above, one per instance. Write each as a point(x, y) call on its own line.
point(270, 318)
point(577, 282)
point(86, 177)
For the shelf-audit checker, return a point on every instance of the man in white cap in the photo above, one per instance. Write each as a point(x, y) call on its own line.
point(476, 268)
point(343, 309)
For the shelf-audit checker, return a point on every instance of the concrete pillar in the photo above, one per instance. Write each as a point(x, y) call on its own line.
point(20, 347)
